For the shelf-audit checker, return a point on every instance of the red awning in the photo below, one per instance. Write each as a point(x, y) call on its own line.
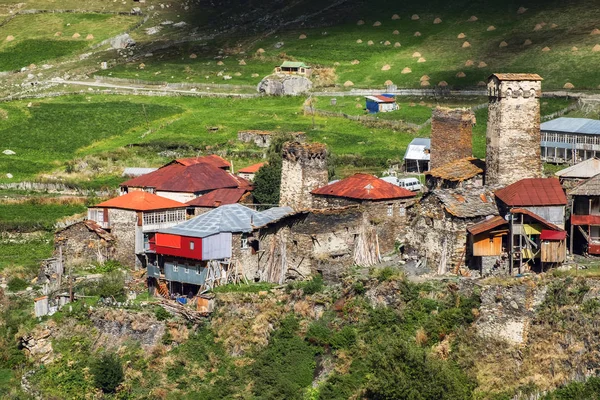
point(585, 220)
point(553, 235)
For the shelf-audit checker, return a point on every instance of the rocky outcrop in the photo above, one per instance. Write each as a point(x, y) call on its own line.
point(122, 41)
point(117, 326)
point(38, 345)
point(284, 85)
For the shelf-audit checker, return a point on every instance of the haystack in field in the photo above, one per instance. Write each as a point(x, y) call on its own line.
point(491, 28)
point(437, 21)
point(466, 45)
point(360, 22)
point(569, 85)
point(302, 36)
point(397, 44)
point(527, 42)
point(406, 71)
point(377, 23)
point(415, 17)
point(503, 44)
point(395, 17)
point(359, 41)
point(386, 67)
point(481, 64)
point(396, 32)
point(461, 75)
point(417, 34)
point(461, 36)
point(472, 19)
point(469, 63)
point(421, 60)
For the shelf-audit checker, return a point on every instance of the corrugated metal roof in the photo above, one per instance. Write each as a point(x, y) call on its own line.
point(459, 170)
point(364, 187)
point(583, 126)
point(487, 225)
point(533, 192)
point(593, 220)
point(471, 203)
point(139, 200)
point(418, 149)
point(252, 169)
point(219, 197)
point(517, 77)
point(293, 64)
point(582, 170)
point(136, 171)
point(213, 159)
point(233, 218)
point(537, 218)
point(381, 99)
point(590, 187)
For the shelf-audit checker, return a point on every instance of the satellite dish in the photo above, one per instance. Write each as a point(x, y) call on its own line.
point(507, 217)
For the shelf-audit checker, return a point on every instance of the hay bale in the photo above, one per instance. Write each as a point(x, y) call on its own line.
point(355, 62)
point(89, 37)
point(553, 26)
point(461, 36)
point(260, 51)
point(443, 84)
point(574, 48)
point(595, 32)
point(370, 43)
point(416, 54)
point(386, 67)
point(360, 22)
point(424, 83)
point(538, 27)
point(437, 21)
point(396, 32)
point(220, 63)
point(503, 44)
point(415, 17)
point(302, 36)
point(421, 60)
point(417, 34)
point(337, 64)
point(596, 48)
point(397, 44)
point(359, 41)
point(406, 71)
point(388, 83)
point(527, 42)
point(387, 43)
point(242, 62)
point(481, 64)
point(469, 63)
point(472, 19)
point(395, 17)
point(422, 103)
point(466, 45)
point(255, 75)
point(142, 66)
point(546, 49)
point(10, 38)
point(377, 23)
point(491, 28)
point(569, 85)
point(57, 34)
point(76, 35)
point(461, 75)
point(238, 74)
point(522, 10)
point(424, 78)
point(481, 83)
point(358, 105)
point(348, 83)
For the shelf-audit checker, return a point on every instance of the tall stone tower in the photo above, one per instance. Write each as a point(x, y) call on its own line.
point(304, 169)
point(451, 135)
point(513, 129)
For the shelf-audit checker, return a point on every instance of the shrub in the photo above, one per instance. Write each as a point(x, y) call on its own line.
point(385, 274)
point(17, 284)
point(315, 285)
point(111, 285)
point(108, 372)
point(161, 314)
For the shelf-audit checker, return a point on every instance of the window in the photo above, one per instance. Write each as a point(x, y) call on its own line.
point(198, 271)
point(186, 270)
point(402, 212)
point(390, 210)
point(244, 243)
point(175, 268)
point(191, 245)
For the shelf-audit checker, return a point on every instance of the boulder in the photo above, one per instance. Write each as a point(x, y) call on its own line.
point(284, 85)
point(122, 41)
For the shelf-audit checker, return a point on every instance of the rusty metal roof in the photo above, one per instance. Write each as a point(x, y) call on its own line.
point(213, 159)
point(532, 192)
point(517, 77)
point(553, 235)
point(487, 225)
point(459, 170)
point(593, 220)
point(471, 203)
point(252, 169)
point(194, 178)
point(139, 200)
point(218, 198)
point(364, 187)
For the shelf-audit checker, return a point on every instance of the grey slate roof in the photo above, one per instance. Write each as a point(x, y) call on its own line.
point(136, 171)
point(572, 125)
point(234, 218)
point(470, 203)
point(585, 169)
point(591, 187)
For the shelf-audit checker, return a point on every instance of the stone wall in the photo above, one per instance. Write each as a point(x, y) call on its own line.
point(123, 225)
point(263, 138)
point(81, 245)
point(304, 169)
point(451, 135)
point(513, 131)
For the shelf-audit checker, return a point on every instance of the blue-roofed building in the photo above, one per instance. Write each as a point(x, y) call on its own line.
point(417, 156)
point(570, 140)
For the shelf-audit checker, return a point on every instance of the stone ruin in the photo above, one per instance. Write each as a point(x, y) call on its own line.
point(451, 135)
point(263, 138)
point(284, 85)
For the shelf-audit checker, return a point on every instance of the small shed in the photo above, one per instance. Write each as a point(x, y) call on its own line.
point(294, 68)
point(417, 156)
point(381, 103)
point(554, 246)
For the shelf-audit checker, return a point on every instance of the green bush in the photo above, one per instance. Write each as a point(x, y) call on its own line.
point(589, 390)
point(111, 285)
point(385, 274)
point(108, 372)
point(17, 284)
point(315, 285)
point(161, 314)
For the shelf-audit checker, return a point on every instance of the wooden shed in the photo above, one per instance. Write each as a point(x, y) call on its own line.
point(554, 246)
point(488, 237)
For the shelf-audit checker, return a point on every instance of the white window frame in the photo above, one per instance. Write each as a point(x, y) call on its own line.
point(186, 270)
point(192, 245)
point(175, 267)
point(390, 210)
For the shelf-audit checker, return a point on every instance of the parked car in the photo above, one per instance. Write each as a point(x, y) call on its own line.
point(412, 184)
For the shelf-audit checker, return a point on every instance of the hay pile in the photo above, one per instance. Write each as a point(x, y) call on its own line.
point(424, 78)
point(370, 43)
point(238, 74)
point(360, 22)
point(546, 49)
point(348, 83)
point(10, 38)
point(596, 48)
point(142, 66)
point(388, 83)
point(503, 44)
point(396, 32)
point(355, 62)
point(89, 37)
point(595, 32)
point(527, 42)
point(302, 36)
point(417, 34)
point(255, 75)
point(437, 21)
point(538, 27)
point(406, 71)
point(76, 35)
point(260, 52)
point(242, 62)
point(337, 64)
point(359, 41)
point(481, 83)
point(443, 84)
point(481, 64)
point(192, 56)
point(397, 44)
point(469, 63)
point(421, 60)
point(553, 26)
point(386, 67)
point(521, 10)
point(461, 36)
point(395, 17)
point(466, 45)
point(491, 28)
point(569, 85)
point(472, 19)
point(424, 83)
point(387, 43)
point(416, 54)
point(377, 23)
point(414, 17)
point(461, 75)
point(58, 34)
point(220, 63)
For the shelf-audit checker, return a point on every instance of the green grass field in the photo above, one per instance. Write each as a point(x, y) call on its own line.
point(34, 215)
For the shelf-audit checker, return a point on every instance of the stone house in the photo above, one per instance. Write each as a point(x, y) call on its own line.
point(248, 173)
point(263, 139)
point(131, 218)
point(294, 68)
point(84, 242)
point(462, 173)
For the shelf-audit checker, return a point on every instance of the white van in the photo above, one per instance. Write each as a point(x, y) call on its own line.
point(412, 184)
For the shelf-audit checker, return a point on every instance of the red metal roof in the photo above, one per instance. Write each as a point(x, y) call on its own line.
point(537, 218)
point(364, 187)
point(194, 178)
point(218, 198)
point(213, 159)
point(486, 225)
point(139, 200)
point(533, 192)
point(252, 169)
point(553, 235)
point(585, 220)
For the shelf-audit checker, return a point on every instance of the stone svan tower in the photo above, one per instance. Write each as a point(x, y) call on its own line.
point(304, 169)
point(451, 135)
point(513, 129)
